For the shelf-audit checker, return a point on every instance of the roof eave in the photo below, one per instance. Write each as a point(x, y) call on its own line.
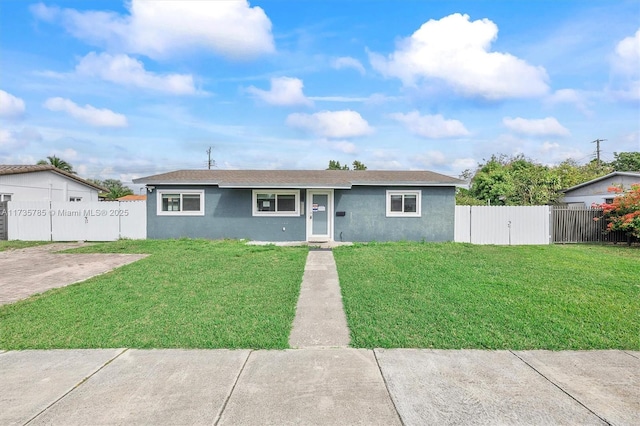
point(598, 179)
point(284, 186)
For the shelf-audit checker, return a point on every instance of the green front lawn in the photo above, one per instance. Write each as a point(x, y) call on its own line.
point(491, 297)
point(186, 294)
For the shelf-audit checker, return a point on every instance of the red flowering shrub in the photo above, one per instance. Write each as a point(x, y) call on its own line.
point(624, 213)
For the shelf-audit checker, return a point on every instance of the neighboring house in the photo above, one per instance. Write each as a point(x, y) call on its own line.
point(596, 191)
point(301, 205)
point(44, 183)
point(132, 197)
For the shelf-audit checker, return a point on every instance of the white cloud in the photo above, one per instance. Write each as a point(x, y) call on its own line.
point(456, 51)
point(128, 71)
point(10, 106)
point(285, 91)
point(570, 96)
point(88, 114)
point(348, 62)
point(626, 68)
point(11, 140)
point(549, 146)
point(626, 58)
point(430, 126)
point(344, 146)
point(461, 164)
point(548, 126)
point(431, 159)
point(160, 29)
point(331, 124)
point(552, 153)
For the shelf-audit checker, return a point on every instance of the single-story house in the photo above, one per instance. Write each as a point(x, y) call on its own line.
point(44, 183)
point(301, 205)
point(596, 191)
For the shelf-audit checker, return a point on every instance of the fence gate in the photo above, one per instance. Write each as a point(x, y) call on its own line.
point(3, 220)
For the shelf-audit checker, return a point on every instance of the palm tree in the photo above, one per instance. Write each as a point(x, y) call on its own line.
point(58, 163)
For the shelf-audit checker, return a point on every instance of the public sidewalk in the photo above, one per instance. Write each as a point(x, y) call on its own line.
point(339, 386)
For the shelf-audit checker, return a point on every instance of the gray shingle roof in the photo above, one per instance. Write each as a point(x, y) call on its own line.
point(14, 169)
point(299, 178)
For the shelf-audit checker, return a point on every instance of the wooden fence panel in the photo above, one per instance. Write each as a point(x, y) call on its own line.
point(580, 226)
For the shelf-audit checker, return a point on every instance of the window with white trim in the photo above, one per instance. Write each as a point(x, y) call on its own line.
point(5, 197)
point(404, 203)
point(180, 203)
point(276, 202)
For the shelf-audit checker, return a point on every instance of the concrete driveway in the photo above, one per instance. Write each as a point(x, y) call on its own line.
point(37, 269)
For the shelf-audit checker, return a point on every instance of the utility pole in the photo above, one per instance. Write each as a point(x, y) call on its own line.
point(209, 162)
point(597, 142)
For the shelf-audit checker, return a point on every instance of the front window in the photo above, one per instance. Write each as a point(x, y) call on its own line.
point(75, 199)
point(180, 203)
point(404, 203)
point(276, 203)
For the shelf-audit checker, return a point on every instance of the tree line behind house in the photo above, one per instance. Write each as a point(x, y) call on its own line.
point(521, 181)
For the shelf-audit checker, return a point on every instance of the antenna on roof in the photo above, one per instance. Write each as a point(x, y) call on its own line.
point(210, 162)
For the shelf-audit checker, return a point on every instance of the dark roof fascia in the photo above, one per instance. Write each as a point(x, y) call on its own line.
point(412, 183)
point(173, 183)
point(283, 186)
point(301, 186)
point(607, 176)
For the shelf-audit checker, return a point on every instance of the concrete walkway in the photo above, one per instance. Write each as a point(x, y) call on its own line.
point(318, 386)
point(320, 320)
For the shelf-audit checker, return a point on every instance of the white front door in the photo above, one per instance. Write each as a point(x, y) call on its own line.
point(319, 215)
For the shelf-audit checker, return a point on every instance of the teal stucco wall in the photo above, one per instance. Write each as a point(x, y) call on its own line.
point(365, 216)
point(227, 214)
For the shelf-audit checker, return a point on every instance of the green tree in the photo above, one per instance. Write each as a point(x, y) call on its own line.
point(357, 165)
point(493, 183)
point(115, 188)
point(464, 198)
point(534, 184)
point(58, 163)
point(571, 173)
point(335, 165)
point(626, 162)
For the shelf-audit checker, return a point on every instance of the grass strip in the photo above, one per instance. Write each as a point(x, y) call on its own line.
point(18, 244)
point(452, 296)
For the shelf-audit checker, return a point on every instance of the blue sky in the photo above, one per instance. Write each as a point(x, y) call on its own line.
point(129, 89)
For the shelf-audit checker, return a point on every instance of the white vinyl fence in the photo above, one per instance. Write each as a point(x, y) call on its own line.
point(80, 221)
point(505, 225)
